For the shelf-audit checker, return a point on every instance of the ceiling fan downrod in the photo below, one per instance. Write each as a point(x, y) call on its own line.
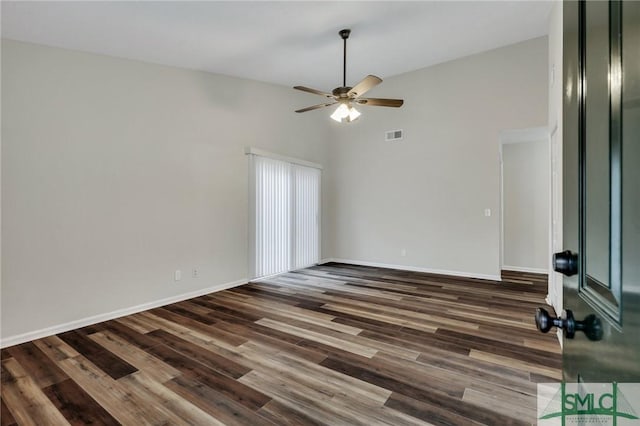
point(345, 35)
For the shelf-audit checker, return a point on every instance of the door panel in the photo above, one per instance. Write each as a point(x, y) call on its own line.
point(596, 146)
point(601, 186)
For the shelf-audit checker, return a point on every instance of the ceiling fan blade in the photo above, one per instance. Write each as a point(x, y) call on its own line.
point(314, 91)
point(316, 107)
point(364, 86)
point(395, 103)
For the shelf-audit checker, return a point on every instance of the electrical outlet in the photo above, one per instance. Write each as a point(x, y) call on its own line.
point(195, 273)
point(403, 252)
point(177, 275)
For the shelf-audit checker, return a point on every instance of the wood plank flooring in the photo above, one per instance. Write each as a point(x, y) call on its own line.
point(334, 344)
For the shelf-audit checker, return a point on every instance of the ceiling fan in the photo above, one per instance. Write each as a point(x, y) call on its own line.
point(348, 96)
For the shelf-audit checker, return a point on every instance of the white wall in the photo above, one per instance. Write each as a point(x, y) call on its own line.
point(427, 194)
point(115, 173)
point(525, 177)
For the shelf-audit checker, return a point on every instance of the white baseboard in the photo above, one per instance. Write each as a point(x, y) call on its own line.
point(415, 269)
point(524, 269)
point(83, 322)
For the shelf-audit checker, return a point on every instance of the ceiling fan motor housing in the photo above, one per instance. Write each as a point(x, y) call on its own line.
point(341, 92)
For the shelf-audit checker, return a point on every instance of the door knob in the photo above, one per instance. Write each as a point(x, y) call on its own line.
point(565, 262)
point(590, 326)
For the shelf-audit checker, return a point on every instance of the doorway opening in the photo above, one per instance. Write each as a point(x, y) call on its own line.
point(525, 200)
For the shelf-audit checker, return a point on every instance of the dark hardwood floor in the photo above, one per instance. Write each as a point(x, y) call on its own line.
point(333, 344)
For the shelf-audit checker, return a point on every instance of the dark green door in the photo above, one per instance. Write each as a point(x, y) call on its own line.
point(601, 189)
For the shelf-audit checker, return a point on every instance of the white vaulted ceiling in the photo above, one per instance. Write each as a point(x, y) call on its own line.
point(286, 43)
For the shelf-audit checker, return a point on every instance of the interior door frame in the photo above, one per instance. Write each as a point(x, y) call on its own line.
point(555, 280)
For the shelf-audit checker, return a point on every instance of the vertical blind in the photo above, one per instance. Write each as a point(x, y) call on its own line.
point(306, 220)
point(285, 207)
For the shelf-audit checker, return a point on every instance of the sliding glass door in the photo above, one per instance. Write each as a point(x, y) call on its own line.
point(284, 216)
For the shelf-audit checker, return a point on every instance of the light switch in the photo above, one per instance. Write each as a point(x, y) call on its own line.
point(487, 212)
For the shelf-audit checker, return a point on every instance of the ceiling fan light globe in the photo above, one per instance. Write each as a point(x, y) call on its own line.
point(353, 114)
point(340, 113)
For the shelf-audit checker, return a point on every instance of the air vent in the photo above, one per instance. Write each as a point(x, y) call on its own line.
point(393, 135)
